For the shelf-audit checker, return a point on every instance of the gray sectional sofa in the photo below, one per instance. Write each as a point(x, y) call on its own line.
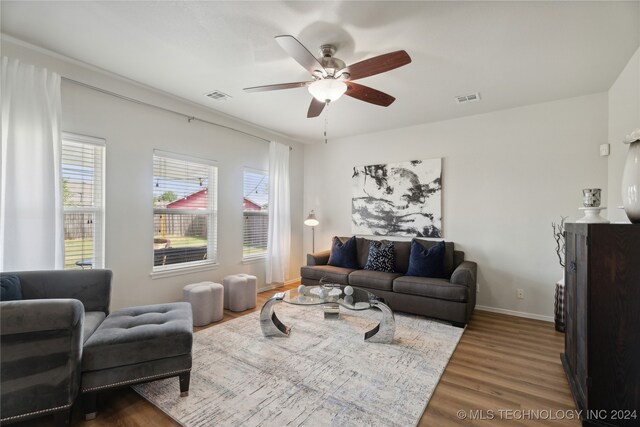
point(42, 338)
point(452, 299)
point(59, 339)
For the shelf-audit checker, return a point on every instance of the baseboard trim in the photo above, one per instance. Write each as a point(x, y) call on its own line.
point(276, 286)
point(516, 313)
point(293, 281)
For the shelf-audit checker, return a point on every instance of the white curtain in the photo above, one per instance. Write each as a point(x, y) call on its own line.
point(278, 245)
point(31, 216)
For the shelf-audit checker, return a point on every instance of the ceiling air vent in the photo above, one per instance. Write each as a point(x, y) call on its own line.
point(468, 98)
point(218, 95)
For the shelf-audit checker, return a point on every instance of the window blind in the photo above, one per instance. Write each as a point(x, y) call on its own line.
point(184, 211)
point(255, 203)
point(83, 200)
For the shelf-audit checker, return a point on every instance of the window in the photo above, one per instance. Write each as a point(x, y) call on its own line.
point(255, 210)
point(184, 211)
point(83, 201)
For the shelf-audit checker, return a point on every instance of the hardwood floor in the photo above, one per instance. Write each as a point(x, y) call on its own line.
point(505, 364)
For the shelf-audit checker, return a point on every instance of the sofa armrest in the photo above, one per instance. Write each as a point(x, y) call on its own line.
point(91, 287)
point(40, 315)
point(465, 274)
point(318, 258)
point(40, 360)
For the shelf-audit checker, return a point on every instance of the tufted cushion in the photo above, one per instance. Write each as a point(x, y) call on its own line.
point(381, 257)
point(139, 334)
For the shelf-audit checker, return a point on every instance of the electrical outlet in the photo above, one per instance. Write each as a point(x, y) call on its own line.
point(604, 150)
point(520, 293)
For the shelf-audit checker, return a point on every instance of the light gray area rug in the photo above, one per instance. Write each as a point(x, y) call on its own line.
point(324, 374)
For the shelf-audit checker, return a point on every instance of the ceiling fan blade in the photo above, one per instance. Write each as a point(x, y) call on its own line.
point(377, 65)
point(315, 108)
point(277, 86)
point(367, 94)
point(300, 53)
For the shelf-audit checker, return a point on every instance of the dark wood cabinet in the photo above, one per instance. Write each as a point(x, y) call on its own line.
point(602, 312)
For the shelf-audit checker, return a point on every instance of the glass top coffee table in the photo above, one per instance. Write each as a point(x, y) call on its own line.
point(331, 297)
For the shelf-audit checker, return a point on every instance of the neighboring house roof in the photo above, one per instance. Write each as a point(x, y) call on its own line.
point(249, 205)
point(199, 199)
point(192, 201)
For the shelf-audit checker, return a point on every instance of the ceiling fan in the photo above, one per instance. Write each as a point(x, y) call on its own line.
point(332, 78)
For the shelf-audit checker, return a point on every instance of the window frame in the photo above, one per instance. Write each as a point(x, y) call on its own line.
point(261, 256)
point(99, 234)
point(211, 212)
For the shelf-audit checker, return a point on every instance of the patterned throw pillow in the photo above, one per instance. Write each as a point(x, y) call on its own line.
point(381, 257)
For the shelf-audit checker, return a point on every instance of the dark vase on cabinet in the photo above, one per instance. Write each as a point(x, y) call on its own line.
point(602, 316)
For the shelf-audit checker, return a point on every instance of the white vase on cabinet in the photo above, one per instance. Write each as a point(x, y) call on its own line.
point(631, 178)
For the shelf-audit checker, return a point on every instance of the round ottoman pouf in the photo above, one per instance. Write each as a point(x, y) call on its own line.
point(201, 299)
point(206, 299)
point(217, 312)
point(240, 292)
point(251, 290)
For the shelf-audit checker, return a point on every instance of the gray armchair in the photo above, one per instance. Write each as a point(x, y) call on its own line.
point(42, 337)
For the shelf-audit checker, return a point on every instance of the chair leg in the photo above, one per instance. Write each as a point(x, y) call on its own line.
point(62, 419)
point(89, 405)
point(185, 378)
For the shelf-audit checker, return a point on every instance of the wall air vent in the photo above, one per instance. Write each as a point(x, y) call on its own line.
point(218, 95)
point(468, 98)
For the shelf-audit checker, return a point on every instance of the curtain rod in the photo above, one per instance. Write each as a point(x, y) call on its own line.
point(137, 101)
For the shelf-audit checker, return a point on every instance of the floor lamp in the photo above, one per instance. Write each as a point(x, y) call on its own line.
point(311, 221)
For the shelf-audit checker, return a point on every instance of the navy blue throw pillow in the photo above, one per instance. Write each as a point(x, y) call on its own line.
point(381, 257)
point(10, 288)
point(425, 262)
point(343, 254)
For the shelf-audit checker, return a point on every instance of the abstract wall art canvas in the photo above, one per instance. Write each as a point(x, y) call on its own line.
point(398, 199)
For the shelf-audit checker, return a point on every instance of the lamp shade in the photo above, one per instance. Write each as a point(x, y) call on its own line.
point(327, 90)
point(311, 220)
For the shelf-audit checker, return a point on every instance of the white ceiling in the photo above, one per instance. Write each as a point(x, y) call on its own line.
point(513, 53)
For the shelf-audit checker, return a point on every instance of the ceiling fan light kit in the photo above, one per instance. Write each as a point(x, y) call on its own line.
point(327, 90)
point(332, 77)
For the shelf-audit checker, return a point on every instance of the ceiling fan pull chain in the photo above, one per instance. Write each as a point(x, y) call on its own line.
point(326, 121)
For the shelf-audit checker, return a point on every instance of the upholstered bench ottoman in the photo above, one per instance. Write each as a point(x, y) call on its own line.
point(134, 345)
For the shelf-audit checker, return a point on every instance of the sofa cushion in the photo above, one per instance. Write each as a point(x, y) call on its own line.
point(449, 264)
point(140, 334)
point(402, 251)
point(330, 273)
point(10, 288)
point(373, 279)
point(425, 262)
point(343, 254)
point(430, 287)
point(381, 257)
point(92, 319)
point(362, 251)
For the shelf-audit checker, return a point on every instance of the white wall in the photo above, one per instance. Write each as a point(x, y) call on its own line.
point(132, 131)
point(624, 117)
point(506, 176)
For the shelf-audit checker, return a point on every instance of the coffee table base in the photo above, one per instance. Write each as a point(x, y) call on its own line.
point(272, 326)
point(331, 311)
point(269, 322)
